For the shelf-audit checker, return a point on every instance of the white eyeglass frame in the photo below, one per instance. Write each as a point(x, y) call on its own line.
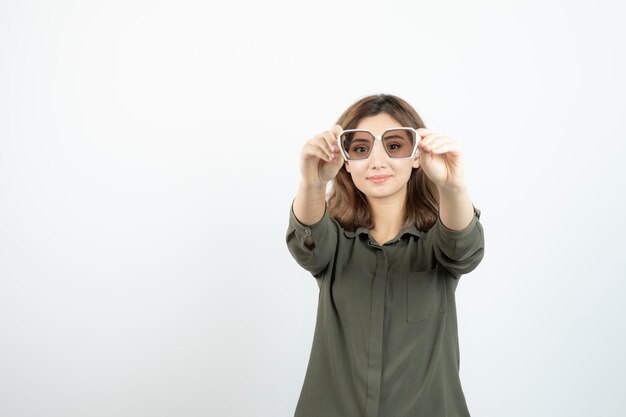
point(380, 138)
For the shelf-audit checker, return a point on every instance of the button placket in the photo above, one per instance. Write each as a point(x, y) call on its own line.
point(375, 349)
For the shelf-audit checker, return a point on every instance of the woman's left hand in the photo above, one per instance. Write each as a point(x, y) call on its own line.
point(441, 158)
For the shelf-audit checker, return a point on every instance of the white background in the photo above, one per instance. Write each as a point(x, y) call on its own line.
point(149, 154)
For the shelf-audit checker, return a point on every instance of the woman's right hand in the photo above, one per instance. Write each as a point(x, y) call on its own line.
point(320, 159)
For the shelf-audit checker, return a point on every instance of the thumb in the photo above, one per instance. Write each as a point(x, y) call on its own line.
point(337, 129)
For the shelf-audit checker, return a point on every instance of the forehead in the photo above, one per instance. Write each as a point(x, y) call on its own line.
point(378, 123)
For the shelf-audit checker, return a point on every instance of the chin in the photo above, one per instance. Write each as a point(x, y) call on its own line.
point(379, 193)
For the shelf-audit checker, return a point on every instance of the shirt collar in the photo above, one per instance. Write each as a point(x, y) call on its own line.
point(412, 229)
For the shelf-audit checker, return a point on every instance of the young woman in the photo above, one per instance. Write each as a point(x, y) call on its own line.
point(387, 250)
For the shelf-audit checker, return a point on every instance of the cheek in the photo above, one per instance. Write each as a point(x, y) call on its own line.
point(358, 177)
point(402, 168)
point(357, 172)
point(406, 175)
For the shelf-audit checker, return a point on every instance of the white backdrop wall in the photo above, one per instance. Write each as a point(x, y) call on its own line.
point(149, 154)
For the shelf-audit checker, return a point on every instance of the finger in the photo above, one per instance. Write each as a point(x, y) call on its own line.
point(435, 140)
point(430, 136)
point(336, 129)
point(431, 140)
point(331, 141)
point(449, 147)
point(437, 144)
point(337, 160)
point(313, 149)
point(323, 142)
point(422, 131)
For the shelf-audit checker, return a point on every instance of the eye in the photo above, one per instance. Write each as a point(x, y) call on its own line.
point(356, 149)
point(395, 146)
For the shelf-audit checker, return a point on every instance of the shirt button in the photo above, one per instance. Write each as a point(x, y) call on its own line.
point(307, 231)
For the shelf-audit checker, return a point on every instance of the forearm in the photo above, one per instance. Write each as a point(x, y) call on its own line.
point(310, 203)
point(455, 207)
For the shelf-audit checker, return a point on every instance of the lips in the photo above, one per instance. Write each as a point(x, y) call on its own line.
point(378, 178)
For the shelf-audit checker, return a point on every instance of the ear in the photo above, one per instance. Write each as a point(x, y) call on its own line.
point(415, 163)
point(347, 164)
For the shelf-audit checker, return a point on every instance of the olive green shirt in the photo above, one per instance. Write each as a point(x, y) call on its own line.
point(386, 339)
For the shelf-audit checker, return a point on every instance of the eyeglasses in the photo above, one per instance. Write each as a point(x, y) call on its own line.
point(398, 142)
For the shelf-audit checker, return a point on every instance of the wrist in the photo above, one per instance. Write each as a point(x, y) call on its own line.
point(457, 188)
point(311, 186)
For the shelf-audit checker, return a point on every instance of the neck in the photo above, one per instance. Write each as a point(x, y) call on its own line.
point(388, 213)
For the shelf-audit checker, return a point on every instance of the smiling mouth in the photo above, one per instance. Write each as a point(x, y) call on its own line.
point(379, 178)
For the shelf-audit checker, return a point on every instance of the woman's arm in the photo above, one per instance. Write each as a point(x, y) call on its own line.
point(311, 234)
point(441, 159)
point(455, 207)
point(320, 161)
point(310, 202)
point(312, 241)
point(457, 237)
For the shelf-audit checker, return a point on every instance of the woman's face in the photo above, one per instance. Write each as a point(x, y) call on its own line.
point(379, 163)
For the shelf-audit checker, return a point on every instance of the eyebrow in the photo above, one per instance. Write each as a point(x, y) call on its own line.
point(395, 136)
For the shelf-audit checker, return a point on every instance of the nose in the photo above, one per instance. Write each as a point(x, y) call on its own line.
point(378, 156)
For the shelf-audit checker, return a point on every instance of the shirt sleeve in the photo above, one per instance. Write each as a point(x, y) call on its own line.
point(459, 251)
point(312, 246)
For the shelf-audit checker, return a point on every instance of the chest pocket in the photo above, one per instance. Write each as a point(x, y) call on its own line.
point(425, 295)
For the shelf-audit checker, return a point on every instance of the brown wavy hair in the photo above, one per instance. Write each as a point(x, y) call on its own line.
point(348, 205)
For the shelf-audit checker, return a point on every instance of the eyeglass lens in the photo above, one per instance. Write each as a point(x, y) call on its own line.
point(398, 143)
